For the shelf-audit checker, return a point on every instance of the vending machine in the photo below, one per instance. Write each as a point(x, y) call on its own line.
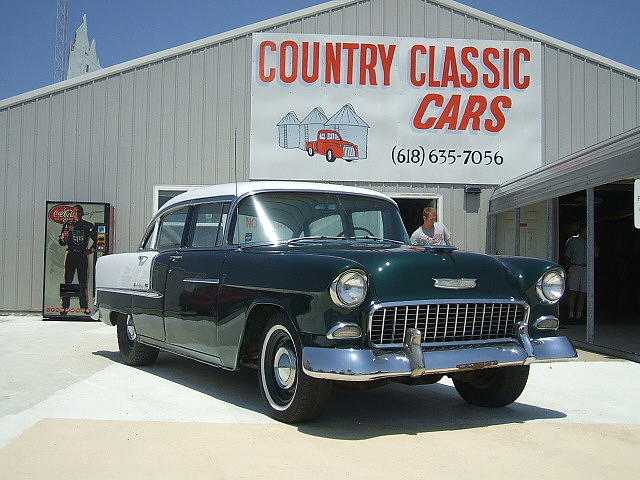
point(76, 235)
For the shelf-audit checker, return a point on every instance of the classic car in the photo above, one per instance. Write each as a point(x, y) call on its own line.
point(317, 284)
point(332, 146)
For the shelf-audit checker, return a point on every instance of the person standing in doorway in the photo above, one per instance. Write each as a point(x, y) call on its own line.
point(575, 253)
point(76, 235)
point(431, 232)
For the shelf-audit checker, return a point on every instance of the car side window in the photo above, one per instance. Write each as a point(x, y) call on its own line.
point(172, 229)
point(147, 240)
point(209, 225)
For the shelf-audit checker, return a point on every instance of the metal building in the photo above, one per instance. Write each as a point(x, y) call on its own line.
point(136, 132)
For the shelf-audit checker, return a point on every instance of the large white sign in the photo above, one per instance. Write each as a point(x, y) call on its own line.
point(333, 107)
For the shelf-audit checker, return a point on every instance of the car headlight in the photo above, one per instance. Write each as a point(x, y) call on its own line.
point(349, 288)
point(550, 286)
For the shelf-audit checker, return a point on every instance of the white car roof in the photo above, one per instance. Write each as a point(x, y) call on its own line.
point(242, 188)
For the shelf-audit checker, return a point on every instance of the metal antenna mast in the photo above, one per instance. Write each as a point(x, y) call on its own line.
point(61, 56)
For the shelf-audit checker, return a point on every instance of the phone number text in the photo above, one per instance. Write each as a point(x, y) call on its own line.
point(442, 156)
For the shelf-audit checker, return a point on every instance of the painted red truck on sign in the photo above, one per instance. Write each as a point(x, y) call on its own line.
point(332, 146)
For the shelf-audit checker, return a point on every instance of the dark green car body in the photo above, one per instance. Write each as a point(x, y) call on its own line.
point(425, 310)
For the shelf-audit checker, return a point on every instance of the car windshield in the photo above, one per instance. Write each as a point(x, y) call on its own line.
point(283, 216)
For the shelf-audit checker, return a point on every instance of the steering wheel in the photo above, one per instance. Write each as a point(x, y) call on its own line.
point(358, 228)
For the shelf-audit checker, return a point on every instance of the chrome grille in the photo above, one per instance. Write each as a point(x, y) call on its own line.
point(446, 322)
point(349, 151)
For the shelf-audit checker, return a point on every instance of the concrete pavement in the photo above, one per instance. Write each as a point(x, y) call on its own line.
point(68, 407)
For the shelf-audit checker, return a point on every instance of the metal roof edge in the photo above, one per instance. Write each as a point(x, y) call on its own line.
point(288, 17)
point(534, 34)
point(617, 145)
point(585, 165)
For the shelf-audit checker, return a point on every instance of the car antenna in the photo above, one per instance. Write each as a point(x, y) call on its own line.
point(235, 178)
point(235, 158)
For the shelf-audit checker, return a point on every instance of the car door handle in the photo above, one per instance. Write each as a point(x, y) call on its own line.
point(175, 257)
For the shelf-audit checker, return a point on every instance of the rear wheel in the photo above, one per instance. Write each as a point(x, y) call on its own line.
point(133, 352)
point(330, 156)
point(290, 394)
point(493, 387)
point(310, 151)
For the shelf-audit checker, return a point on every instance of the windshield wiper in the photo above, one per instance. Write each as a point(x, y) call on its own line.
point(369, 237)
point(314, 237)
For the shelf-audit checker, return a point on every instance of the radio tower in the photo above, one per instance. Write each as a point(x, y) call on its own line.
point(61, 56)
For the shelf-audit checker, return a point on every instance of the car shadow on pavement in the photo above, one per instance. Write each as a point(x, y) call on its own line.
point(239, 388)
point(403, 409)
point(350, 414)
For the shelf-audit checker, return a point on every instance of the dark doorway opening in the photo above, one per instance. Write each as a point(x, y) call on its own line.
point(411, 211)
point(617, 297)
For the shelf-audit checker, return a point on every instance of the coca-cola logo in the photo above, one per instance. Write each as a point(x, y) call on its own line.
point(62, 213)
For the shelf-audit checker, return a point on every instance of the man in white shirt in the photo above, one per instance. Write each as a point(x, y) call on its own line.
point(575, 252)
point(431, 232)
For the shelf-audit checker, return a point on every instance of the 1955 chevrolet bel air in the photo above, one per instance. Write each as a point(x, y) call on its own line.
point(315, 284)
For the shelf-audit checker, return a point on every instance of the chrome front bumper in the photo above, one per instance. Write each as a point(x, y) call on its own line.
point(413, 360)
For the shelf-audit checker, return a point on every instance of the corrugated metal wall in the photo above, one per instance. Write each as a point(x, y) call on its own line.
point(173, 122)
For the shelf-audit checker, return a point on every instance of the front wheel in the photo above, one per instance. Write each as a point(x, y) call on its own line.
point(494, 387)
point(291, 395)
point(330, 156)
point(133, 352)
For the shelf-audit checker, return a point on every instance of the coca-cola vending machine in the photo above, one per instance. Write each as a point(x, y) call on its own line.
point(76, 235)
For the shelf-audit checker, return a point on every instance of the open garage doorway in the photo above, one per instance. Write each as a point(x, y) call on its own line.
point(616, 291)
point(411, 210)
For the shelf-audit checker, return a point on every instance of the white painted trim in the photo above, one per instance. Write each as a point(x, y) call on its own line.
point(290, 17)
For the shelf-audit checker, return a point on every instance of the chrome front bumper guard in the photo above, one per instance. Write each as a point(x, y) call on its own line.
point(413, 360)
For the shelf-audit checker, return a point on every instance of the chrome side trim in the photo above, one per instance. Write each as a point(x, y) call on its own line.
point(357, 365)
point(127, 291)
point(211, 281)
point(184, 352)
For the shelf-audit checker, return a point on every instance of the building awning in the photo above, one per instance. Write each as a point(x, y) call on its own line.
point(616, 158)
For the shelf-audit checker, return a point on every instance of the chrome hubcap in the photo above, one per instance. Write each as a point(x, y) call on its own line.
point(284, 366)
point(131, 329)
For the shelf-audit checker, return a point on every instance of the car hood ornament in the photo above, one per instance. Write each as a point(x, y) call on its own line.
point(455, 283)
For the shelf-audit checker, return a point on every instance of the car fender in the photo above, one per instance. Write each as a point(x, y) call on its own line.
point(251, 282)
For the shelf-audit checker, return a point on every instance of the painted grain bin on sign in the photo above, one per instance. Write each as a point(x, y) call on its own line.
point(351, 127)
point(289, 131)
point(310, 126)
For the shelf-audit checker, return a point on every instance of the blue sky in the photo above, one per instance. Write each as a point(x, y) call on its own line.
point(128, 29)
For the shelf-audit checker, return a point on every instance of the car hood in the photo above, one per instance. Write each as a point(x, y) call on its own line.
point(404, 273)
